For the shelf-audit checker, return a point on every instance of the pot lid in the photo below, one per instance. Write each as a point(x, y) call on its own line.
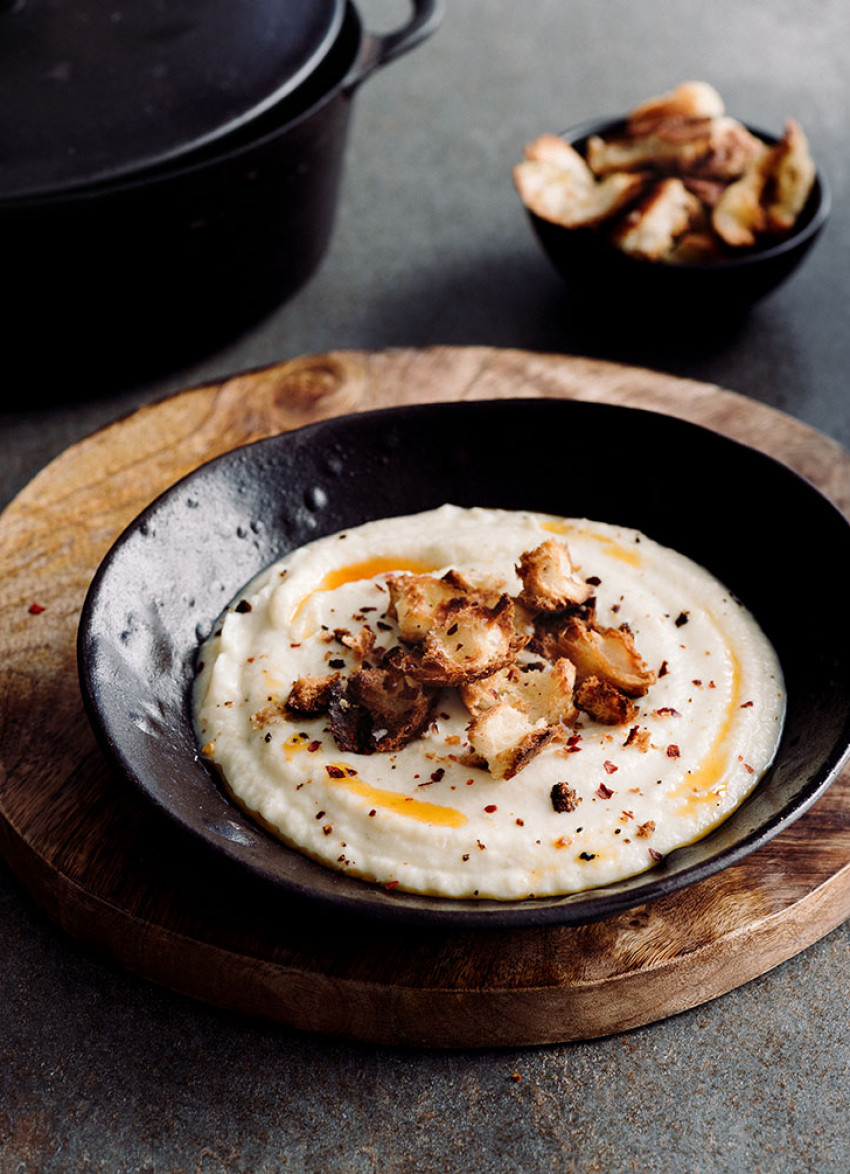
point(93, 90)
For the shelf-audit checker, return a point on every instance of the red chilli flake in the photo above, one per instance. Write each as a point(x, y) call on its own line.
point(610, 767)
point(490, 808)
point(35, 609)
point(335, 772)
point(391, 884)
point(672, 750)
point(604, 792)
point(314, 746)
point(747, 705)
point(656, 855)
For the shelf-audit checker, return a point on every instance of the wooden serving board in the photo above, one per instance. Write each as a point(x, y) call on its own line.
point(116, 876)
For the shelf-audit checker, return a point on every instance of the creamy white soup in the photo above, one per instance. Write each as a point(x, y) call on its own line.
point(477, 703)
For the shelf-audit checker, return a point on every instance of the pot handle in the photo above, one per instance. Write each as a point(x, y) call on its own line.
point(378, 49)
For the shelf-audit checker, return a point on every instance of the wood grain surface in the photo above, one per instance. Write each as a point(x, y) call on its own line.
point(116, 876)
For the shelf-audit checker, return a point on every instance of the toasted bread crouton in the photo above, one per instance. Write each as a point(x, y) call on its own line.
point(547, 692)
point(732, 150)
point(468, 640)
point(670, 150)
point(738, 216)
point(544, 692)
point(310, 695)
point(414, 600)
point(378, 709)
point(651, 230)
point(792, 175)
point(604, 703)
point(638, 738)
point(274, 711)
point(770, 194)
point(715, 148)
point(556, 153)
point(606, 653)
point(361, 644)
point(556, 184)
point(688, 100)
point(547, 578)
point(506, 739)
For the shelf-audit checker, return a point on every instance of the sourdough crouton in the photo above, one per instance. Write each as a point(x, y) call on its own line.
point(543, 692)
point(360, 644)
point(557, 185)
point(604, 703)
point(414, 600)
point(792, 174)
point(468, 640)
point(770, 194)
point(548, 583)
point(310, 695)
point(651, 230)
point(665, 149)
point(738, 216)
point(378, 709)
point(732, 150)
point(688, 100)
point(274, 711)
point(606, 653)
point(506, 739)
point(718, 148)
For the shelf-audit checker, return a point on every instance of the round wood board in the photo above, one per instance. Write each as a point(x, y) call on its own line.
point(115, 875)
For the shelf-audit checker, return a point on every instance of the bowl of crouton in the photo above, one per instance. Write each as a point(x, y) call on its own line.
point(676, 206)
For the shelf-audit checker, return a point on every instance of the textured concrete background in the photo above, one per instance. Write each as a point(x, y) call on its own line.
point(99, 1071)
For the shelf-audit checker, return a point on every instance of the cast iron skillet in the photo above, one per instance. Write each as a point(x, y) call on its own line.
point(767, 533)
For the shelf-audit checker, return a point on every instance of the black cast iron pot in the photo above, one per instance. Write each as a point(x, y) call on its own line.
point(116, 278)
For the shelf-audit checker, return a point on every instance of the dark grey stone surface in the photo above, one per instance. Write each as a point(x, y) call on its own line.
point(100, 1071)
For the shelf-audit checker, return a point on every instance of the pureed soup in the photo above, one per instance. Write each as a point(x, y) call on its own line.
point(487, 703)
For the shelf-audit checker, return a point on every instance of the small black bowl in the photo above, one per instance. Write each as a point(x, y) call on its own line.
point(594, 267)
point(758, 526)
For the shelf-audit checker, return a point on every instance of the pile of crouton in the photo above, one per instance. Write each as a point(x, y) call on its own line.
point(683, 182)
point(525, 666)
